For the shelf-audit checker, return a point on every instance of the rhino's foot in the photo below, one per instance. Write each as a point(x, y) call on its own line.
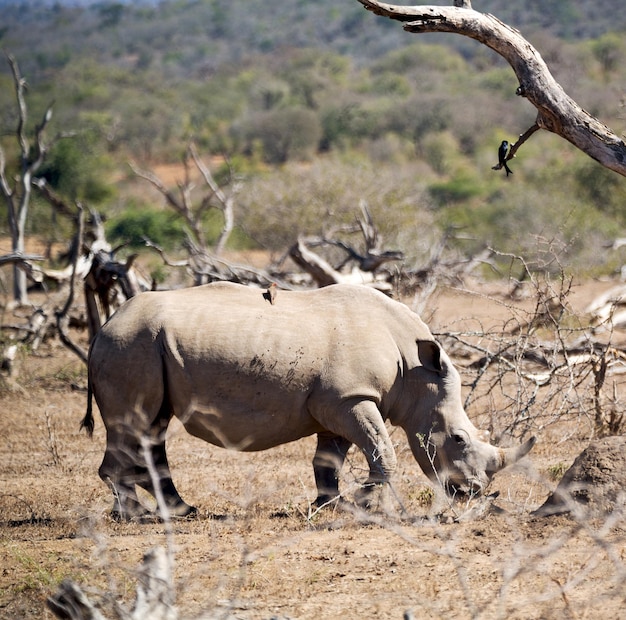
point(146, 516)
point(374, 497)
point(183, 511)
point(124, 515)
point(334, 502)
point(324, 499)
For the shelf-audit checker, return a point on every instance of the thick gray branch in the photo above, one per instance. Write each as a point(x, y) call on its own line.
point(557, 112)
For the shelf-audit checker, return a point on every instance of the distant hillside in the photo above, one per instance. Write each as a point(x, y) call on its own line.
point(202, 34)
point(564, 18)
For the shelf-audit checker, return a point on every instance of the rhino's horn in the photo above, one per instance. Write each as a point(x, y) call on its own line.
point(512, 455)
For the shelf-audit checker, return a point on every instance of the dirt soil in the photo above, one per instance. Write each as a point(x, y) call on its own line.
point(257, 551)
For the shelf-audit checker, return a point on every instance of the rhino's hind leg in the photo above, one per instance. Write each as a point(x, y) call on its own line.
point(159, 469)
point(327, 462)
point(131, 461)
point(121, 471)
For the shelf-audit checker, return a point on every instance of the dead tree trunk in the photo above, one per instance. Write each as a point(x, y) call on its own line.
point(365, 264)
point(106, 286)
point(17, 194)
point(319, 269)
point(556, 111)
point(154, 595)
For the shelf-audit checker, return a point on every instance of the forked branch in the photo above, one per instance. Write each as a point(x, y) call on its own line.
point(556, 111)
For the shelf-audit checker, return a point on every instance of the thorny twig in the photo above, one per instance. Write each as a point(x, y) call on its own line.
point(547, 366)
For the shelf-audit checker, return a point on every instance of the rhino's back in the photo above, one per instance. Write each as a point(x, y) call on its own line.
point(241, 316)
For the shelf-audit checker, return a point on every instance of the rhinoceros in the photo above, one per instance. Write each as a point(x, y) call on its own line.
point(248, 371)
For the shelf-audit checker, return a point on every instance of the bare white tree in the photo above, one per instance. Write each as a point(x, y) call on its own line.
point(193, 211)
point(556, 111)
point(17, 193)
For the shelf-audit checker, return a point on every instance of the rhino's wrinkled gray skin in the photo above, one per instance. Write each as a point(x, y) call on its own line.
point(246, 374)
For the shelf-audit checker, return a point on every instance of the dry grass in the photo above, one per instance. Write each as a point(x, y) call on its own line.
point(256, 552)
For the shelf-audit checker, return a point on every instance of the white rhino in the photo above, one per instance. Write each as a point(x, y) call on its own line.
point(248, 371)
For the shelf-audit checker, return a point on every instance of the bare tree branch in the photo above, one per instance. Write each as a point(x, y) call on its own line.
point(54, 200)
point(319, 269)
point(556, 111)
point(18, 257)
point(202, 262)
point(514, 147)
point(62, 315)
point(225, 202)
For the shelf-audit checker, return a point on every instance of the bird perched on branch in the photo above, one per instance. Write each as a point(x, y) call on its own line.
point(270, 294)
point(502, 153)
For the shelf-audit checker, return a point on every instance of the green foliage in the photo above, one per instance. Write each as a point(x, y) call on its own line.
point(555, 472)
point(609, 50)
point(110, 14)
point(434, 116)
point(421, 58)
point(441, 151)
point(461, 188)
point(138, 222)
point(282, 134)
point(499, 81)
point(325, 194)
point(424, 497)
point(212, 225)
point(393, 85)
point(602, 188)
point(75, 171)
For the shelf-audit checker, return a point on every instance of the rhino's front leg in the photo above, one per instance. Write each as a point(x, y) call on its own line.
point(361, 423)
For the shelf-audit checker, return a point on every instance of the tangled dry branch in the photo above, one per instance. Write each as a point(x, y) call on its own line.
point(547, 366)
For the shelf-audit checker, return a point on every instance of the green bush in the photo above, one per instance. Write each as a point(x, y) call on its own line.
point(283, 134)
point(602, 188)
point(460, 188)
point(75, 170)
point(139, 222)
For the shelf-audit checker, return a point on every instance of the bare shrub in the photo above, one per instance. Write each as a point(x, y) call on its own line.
point(544, 366)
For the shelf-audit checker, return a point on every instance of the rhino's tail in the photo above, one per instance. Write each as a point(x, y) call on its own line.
point(87, 421)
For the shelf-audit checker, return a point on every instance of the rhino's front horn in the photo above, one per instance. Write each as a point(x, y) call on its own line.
point(512, 455)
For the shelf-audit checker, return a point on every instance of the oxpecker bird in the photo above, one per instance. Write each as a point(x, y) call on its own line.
point(270, 294)
point(502, 152)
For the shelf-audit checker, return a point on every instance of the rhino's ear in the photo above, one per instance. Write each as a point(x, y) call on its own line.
point(430, 355)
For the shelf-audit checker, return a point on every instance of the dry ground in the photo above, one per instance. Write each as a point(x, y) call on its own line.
point(256, 552)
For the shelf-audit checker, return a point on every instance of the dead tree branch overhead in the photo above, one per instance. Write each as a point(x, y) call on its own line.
point(556, 111)
point(19, 257)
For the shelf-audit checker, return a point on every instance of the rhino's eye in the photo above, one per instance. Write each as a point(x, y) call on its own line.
point(459, 440)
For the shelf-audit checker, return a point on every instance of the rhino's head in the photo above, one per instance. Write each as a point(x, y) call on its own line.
point(448, 447)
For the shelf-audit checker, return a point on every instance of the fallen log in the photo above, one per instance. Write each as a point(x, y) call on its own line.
point(154, 597)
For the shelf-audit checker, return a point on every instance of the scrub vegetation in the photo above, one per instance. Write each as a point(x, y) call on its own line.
point(320, 105)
